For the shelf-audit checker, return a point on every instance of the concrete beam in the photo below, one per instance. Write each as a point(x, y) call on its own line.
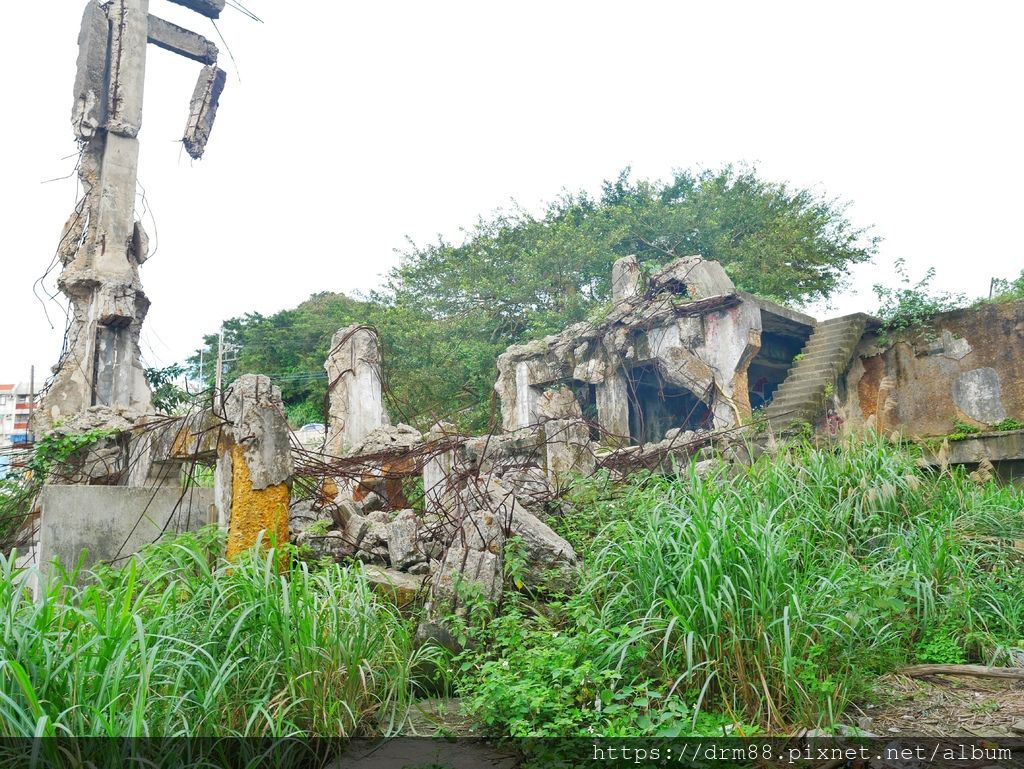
point(209, 8)
point(181, 41)
point(205, 100)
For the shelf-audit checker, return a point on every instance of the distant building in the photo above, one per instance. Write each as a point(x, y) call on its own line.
point(16, 404)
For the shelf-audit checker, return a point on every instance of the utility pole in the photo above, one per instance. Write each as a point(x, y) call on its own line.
point(103, 245)
point(219, 374)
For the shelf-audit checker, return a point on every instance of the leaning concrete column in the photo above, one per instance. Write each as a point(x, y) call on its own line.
point(254, 464)
point(355, 390)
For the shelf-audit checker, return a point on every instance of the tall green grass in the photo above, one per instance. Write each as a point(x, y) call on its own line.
point(774, 596)
point(180, 643)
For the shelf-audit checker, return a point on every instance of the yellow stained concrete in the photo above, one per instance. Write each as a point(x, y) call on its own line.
point(252, 510)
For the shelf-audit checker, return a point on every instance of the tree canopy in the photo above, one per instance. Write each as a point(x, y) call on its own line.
point(449, 308)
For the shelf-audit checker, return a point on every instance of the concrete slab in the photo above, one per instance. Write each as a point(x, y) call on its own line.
point(110, 523)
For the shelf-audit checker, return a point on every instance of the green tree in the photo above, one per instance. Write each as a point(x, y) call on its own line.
point(517, 276)
point(289, 346)
point(450, 308)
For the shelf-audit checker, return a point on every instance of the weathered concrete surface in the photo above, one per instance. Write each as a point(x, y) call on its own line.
point(203, 110)
point(968, 367)
point(89, 110)
point(257, 444)
point(355, 389)
point(101, 241)
point(995, 447)
point(978, 394)
point(550, 561)
point(181, 41)
point(401, 588)
point(254, 510)
point(102, 244)
point(627, 279)
point(113, 522)
point(688, 323)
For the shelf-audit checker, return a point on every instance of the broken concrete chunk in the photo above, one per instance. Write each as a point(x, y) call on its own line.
point(253, 407)
point(694, 276)
point(627, 280)
point(203, 110)
point(179, 40)
point(399, 587)
point(402, 548)
point(87, 114)
point(210, 8)
point(140, 244)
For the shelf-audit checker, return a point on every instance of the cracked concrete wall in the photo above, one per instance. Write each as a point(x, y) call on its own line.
point(968, 366)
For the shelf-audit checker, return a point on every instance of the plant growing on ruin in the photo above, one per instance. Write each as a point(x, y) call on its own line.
point(906, 311)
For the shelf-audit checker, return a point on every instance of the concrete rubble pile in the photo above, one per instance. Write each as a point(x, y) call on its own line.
point(482, 493)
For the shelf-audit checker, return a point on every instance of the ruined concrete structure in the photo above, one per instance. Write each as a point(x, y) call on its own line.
point(680, 362)
point(103, 245)
point(968, 366)
point(682, 349)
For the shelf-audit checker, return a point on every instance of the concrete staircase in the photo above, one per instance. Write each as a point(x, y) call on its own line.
point(823, 359)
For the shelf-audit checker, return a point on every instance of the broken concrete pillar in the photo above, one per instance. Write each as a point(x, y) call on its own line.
point(102, 361)
point(612, 397)
point(355, 390)
point(203, 110)
point(255, 453)
point(102, 245)
point(526, 397)
point(437, 471)
point(627, 279)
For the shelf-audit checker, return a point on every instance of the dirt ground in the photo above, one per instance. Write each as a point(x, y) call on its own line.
point(944, 706)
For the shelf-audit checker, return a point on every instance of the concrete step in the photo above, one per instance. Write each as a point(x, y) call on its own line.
point(827, 353)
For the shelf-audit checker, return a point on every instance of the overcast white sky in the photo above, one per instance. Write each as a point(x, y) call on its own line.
point(355, 125)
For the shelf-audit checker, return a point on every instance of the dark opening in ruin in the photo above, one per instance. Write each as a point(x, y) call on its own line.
point(656, 406)
point(771, 365)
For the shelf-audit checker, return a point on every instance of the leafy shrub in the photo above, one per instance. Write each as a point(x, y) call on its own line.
point(1008, 290)
point(909, 309)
